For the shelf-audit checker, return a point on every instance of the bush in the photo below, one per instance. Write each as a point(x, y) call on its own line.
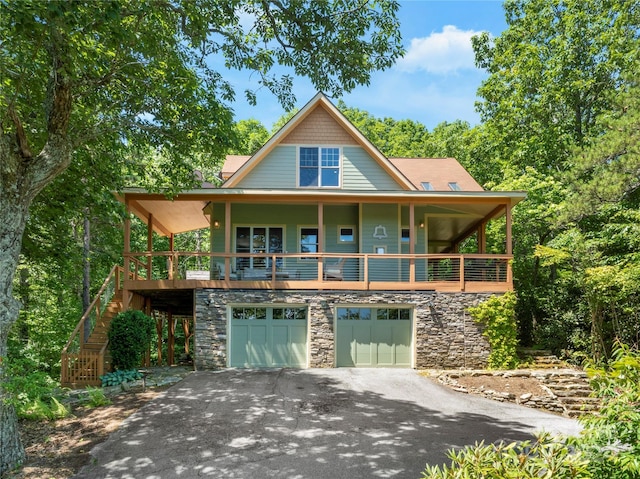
point(96, 397)
point(130, 334)
point(33, 394)
point(543, 458)
point(498, 317)
point(118, 377)
point(612, 435)
point(608, 447)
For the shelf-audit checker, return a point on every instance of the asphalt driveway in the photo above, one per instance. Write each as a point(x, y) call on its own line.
point(314, 423)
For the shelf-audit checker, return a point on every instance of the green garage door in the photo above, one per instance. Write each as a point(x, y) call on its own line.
point(268, 337)
point(373, 337)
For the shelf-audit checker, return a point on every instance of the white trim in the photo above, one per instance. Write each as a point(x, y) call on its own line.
point(320, 146)
point(339, 234)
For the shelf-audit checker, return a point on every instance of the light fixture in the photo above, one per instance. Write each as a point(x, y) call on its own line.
point(216, 224)
point(421, 224)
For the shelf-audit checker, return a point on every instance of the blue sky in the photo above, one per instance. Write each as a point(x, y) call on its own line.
point(436, 81)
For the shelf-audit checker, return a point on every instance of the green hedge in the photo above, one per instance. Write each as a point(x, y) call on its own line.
point(130, 334)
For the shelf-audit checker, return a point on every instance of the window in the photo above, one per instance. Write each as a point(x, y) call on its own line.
point(354, 314)
point(289, 313)
point(405, 235)
point(249, 313)
point(258, 239)
point(346, 234)
point(308, 240)
point(319, 166)
point(380, 314)
point(453, 186)
point(427, 186)
point(393, 314)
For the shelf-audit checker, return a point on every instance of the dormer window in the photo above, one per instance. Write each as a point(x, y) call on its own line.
point(427, 186)
point(318, 166)
point(453, 186)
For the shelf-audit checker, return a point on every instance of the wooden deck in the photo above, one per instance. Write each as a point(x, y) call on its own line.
point(317, 271)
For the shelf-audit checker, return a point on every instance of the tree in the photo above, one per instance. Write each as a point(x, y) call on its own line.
point(125, 76)
point(550, 73)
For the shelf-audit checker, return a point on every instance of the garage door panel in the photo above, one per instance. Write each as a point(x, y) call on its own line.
point(362, 344)
point(239, 354)
point(258, 346)
point(345, 353)
point(298, 345)
point(402, 342)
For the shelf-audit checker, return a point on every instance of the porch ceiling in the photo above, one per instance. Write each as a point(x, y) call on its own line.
point(449, 213)
point(171, 216)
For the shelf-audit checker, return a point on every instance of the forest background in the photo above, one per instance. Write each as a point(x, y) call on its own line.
point(560, 120)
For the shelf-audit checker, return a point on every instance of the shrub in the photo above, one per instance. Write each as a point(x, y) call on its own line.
point(608, 447)
point(612, 435)
point(543, 458)
point(33, 394)
point(498, 317)
point(96, 397)
point(129, 336)
point(121, 376)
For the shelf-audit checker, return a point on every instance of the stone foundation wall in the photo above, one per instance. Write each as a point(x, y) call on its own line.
point(445, 335)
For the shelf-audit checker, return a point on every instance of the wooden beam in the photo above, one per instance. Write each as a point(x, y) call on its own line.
point(508, 233)
point(143, 213)
point(412, 242)
point(171, 327)
point(149, 244)
point(474, 227)
point(320, 240)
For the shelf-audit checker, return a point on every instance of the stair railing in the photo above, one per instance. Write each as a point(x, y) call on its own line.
point(72, 353)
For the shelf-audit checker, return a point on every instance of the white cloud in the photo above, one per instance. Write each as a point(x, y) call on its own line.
point(440, 53)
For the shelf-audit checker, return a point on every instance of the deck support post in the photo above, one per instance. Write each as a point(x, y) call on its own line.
point(149, 246)
point(171, 326)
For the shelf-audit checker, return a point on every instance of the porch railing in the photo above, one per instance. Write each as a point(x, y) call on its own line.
point(80, 364)
point(452, 272)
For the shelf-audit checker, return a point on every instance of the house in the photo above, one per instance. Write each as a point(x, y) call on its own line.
point(323, 253)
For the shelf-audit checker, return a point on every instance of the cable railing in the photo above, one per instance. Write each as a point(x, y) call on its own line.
point(325, 270)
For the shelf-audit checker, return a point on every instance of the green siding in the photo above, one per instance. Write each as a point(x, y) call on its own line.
point(279, 170)
point(276, 170)
point(361, 172)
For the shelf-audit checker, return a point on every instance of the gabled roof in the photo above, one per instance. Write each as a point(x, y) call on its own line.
point(318, 101)
point(439, 172)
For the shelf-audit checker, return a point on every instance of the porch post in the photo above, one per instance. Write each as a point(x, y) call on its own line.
point(149, 245)
point(509, 242)
point(412, 241)
point(170, 262)
point(320, 240)
point(508, 218)
point(482, 238)
point(127, 250)
point(171, 327)
point(227, 241)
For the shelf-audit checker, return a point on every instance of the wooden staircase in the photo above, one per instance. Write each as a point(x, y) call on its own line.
point(83, 362)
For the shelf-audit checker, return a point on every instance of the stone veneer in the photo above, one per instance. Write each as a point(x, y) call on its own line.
point(445, 335)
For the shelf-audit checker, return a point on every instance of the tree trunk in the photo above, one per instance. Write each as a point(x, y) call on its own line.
point(12, 223)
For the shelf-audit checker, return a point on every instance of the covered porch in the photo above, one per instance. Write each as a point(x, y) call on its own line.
point(288, 239)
